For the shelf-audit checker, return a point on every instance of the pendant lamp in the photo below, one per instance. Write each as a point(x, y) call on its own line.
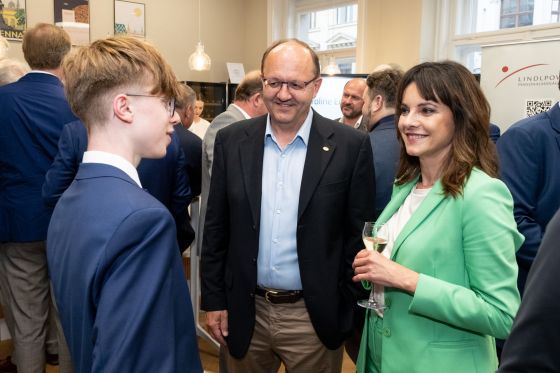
point(331, 68)
point(199, 60)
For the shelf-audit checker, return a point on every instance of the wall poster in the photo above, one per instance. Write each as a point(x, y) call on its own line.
point(130, 18)
point(73, 17)
point(12, 19)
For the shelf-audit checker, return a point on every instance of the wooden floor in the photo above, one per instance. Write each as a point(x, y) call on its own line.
point(208, 355)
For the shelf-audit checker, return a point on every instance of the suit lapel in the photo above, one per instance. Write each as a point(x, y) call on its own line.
point(251, 152)
point(431, 201)
point(319, 152)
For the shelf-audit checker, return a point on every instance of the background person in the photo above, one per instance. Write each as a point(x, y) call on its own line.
point(450, 283)
point(248, 103)
point(380, 99)
point(351, 103)
point(529, 154)
point(533, 343)
point(10, 71)
point(190, 143)
point(199, 125)
point(34, 110)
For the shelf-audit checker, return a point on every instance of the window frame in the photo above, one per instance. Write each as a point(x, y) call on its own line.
point(448, 40)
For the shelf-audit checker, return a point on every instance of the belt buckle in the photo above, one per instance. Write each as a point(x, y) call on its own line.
point(269, 292)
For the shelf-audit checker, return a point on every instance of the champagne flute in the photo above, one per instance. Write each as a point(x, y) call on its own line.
point(374, 238)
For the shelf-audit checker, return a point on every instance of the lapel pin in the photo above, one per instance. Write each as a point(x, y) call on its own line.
point(326, 148)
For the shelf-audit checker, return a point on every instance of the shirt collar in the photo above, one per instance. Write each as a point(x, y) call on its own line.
point(95, 156)
point(356, 125)
point(358, 122)
point(41, 72)
point(302, 133)
point(247, 116)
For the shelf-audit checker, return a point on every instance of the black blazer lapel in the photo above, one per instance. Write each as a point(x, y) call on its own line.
point(251, 153)
point(319, 152)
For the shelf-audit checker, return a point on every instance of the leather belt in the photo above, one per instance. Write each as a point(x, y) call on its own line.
point(279, 296)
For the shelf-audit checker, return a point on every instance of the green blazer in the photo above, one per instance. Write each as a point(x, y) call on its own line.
point(464, 249)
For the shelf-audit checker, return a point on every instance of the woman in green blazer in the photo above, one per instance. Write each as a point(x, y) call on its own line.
point(450, 283)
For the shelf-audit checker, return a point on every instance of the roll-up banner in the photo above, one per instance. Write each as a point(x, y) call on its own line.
point(520, 79)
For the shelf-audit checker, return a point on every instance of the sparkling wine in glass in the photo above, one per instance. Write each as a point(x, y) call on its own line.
point(374, 239)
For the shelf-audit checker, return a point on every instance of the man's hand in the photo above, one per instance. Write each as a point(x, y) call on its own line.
point(217, 325)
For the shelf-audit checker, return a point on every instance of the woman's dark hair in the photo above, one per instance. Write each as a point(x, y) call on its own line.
point(451, 84)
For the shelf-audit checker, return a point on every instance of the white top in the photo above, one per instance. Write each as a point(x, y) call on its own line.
point(114, 160)
point(356, 125)
point(199, 128)
point(391, 231)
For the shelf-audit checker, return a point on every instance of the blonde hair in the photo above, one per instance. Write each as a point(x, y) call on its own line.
point(11, 70)
point(44, 46)
point(92, 73)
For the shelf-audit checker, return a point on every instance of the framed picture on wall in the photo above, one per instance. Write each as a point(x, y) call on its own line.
point(73, 17)
point(13, 19)
point(130, 18)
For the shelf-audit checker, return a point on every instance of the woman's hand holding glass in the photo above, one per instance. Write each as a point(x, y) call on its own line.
point(370, 265)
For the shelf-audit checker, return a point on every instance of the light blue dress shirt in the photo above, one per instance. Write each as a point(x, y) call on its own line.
point(277, 264)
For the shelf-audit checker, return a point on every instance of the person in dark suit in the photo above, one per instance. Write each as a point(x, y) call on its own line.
point(34, 111)
point(529, 152)
point(248, 103)
point(380, 98)
point(190, 143)
point(494, 133)
point(288, 198)
point(532, 345)
point(116, 270)
point(163, 178)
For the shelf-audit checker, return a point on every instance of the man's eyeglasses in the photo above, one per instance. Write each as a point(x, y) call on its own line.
point(170, 104)
point(293, 85)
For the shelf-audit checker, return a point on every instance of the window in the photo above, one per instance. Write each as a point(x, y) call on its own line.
point(492, 15)
point(554, 11)
point(516, 13)
point(330, 28)
point(346, 14)
point(478, 22)
point(312, 20)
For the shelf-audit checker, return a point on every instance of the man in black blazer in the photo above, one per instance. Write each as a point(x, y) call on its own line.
point(288, 198)
point(533, 343)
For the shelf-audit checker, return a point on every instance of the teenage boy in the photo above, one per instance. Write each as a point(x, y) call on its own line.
point(112, 250)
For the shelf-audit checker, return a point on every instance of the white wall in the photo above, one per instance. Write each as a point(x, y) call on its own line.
point(231, 30)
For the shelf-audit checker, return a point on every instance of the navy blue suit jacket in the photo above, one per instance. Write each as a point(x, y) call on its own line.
point(33, 112)
point(529, 152)
point(192, 147)
point(386, 152)
point(118, 278)
point(164, 178)
point(494, 133)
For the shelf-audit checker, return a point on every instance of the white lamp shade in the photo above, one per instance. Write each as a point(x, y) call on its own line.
point(332, 68)
point(199, 61)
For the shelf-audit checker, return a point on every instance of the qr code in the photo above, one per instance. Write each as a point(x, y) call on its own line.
point(534, 107)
